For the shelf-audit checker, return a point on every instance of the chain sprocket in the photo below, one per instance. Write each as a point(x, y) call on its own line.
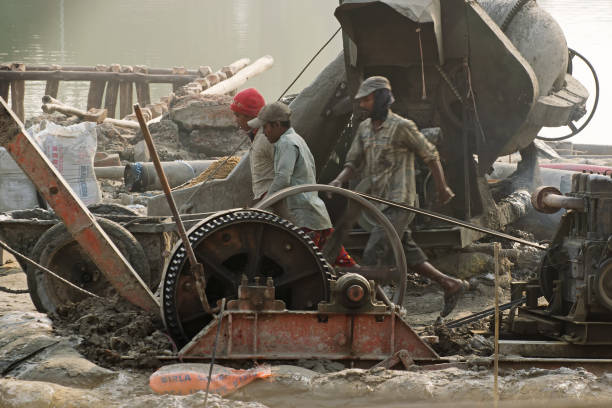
point(229, 244)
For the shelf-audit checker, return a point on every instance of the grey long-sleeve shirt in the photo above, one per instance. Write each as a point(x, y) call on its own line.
point(294, 165)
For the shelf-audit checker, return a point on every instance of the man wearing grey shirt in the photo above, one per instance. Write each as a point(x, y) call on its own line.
point(246, 105)
point(294, 165)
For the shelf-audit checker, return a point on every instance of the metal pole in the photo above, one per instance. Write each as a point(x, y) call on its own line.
point(450, 220)
point(214, 351)
point(196, 268)
point(496, 355)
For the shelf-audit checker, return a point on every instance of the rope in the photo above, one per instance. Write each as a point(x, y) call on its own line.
point(14, 291)
point(310, 62)
point(450, 84)
point(31, 262)
point(214, 351)
point(470, 93)
point(424, 95)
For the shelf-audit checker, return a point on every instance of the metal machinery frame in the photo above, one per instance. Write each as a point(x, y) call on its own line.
point(77, 218)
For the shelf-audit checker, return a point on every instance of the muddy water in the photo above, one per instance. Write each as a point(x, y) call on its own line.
point(298, 388)
point(56, 376)
point(165, 33)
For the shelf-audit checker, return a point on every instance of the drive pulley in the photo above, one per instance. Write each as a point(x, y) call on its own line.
point(230, 244)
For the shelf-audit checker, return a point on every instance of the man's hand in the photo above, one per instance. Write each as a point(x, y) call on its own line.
point(335, 183)
point(445, 195)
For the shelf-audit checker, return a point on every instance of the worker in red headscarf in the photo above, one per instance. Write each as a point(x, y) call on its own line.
point(246, 106)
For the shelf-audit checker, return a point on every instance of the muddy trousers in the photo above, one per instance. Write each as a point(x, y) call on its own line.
point(378, 249)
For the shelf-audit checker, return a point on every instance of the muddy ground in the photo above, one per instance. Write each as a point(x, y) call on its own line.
point(125, 343)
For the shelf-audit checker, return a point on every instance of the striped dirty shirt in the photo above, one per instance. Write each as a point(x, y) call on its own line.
point(385, 158)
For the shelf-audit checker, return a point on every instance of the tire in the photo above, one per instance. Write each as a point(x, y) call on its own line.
point(58, 251)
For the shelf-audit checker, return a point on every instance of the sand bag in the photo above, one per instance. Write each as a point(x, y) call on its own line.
point(184, 379)
point(16, 190)
point(71, 149)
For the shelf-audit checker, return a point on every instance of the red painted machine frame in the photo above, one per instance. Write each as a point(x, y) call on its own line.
point(291, 335)
point(75, 215)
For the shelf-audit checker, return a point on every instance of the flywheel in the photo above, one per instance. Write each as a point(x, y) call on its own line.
point(234, 243)
point(57, 250)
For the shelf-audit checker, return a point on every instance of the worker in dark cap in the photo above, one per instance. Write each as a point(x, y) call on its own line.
point(383, 152)
point(294, 165)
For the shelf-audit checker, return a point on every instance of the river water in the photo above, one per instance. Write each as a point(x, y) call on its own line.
point(190, 33)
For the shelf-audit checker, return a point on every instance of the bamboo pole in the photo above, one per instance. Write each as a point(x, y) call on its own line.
point(129, 124)
point(240, 78)
point(153, 71)
point(93, 115)
point(231, 69)
point(177, 71)
point(112, 92)
point(143, 93)
point(104, 75)
point(126, 94)
point(496, 248)
point(50, 99)
point(96, 89)
point(52, 86)
point(18, 92)
point(4, 84)
point(53, 105)
point(204, 70)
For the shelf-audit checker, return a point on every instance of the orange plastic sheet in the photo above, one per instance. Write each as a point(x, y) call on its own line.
point(184, 379)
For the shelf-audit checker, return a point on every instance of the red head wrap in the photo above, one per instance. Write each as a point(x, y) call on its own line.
point(248, 102)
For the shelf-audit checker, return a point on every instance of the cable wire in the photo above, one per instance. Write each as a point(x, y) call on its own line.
point(310, 62)
point(28, 260)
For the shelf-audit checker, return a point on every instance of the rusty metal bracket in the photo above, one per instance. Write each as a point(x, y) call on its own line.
point(67, 205)
point(256, 297)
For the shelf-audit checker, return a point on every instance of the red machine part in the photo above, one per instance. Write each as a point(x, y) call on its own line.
point(290, 335)
point(78, 220)
point(605, 170)
point(256, 326)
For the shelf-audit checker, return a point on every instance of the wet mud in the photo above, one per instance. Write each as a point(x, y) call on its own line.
point(114, 333)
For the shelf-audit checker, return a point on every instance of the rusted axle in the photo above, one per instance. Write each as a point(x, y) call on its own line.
point(549, 200)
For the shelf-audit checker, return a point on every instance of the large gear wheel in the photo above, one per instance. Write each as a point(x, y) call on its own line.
point(233, 243)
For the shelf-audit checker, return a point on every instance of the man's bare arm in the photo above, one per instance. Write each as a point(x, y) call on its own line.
point(445, 194)
point(345, 175)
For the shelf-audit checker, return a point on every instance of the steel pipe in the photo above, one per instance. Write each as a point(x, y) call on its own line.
point(549, 200)
point(142, 177)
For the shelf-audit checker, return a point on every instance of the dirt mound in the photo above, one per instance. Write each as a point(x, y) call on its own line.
point(115, 333)
point(461, 340)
